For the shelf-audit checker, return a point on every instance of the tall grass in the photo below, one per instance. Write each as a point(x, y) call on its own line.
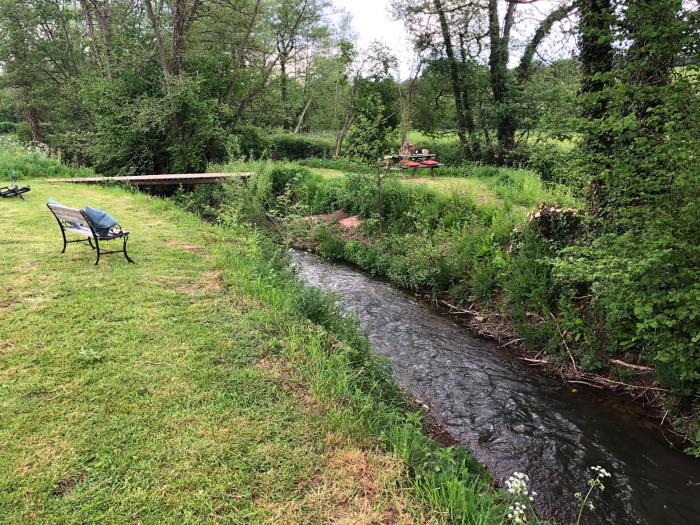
point(28, 162)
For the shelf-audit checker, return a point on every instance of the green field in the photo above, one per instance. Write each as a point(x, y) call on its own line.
point(167, 391)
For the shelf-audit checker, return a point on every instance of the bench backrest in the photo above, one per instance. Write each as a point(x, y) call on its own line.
point(71, 218)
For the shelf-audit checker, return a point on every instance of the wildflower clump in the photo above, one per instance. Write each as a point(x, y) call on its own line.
point(516, 486)
point(596, 482)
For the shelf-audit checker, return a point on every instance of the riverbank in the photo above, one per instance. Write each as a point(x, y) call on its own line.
point(201, 384)
point(513, 417)
point(507, 270)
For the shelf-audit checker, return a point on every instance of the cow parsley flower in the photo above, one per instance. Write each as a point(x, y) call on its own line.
point(595, 482)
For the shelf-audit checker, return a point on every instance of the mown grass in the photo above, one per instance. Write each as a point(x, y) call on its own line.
point(191, 387)
point(155, 393)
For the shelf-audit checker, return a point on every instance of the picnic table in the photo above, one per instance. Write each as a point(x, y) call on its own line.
point(411, 161)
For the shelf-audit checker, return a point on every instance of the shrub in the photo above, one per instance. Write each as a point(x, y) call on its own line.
point(295, 147)
point(329, 246)
point(551, 164)
point(250, 142)
point(7, 127)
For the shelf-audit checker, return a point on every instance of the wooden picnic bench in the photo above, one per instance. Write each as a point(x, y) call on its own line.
point(396, 164)
point(76, 222)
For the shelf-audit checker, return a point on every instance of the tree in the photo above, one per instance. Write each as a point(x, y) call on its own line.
point(481, 35)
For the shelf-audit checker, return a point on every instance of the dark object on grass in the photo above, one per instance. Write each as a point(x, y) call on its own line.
point(15, 191)
point(91, 224)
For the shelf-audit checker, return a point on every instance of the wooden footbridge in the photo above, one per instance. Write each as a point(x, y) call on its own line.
point(170, 179)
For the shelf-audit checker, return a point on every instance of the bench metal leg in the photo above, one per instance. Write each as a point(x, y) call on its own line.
point(97, 247)
point(126, 238)
point(65, 241)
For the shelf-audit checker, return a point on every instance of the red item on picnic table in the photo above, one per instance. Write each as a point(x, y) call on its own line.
point(430, 163)
point(412, 164)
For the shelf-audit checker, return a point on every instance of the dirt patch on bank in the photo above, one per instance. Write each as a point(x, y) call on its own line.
point(339, 217)
point(198, 250)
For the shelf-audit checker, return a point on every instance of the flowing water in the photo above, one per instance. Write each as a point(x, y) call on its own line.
point(513, 417)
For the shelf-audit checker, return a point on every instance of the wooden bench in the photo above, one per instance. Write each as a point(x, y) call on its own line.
point(390, 164)
point(415, 168)
point(76, 222)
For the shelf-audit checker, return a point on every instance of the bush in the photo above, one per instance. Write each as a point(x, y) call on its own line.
point(7, 127)
point(552, 164)
point(250, 142)
point(329, 245)
point(295, 147)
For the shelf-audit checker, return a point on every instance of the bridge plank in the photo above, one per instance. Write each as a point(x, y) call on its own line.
point(158, 180)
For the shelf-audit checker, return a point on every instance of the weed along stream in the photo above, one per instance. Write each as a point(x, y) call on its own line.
point(514, 418)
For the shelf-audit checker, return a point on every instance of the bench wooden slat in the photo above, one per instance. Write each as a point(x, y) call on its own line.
point(81, 231)
point(68, 214)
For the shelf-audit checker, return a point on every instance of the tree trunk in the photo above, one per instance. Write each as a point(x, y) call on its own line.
point(284, 94)
point(596, 55)
point(34, 125)
point(91, 32)
point(498, 66)
point(467, 104)
point(454, 77)
point(159, 41)
point(342, 134)
point(302, 115)
point(102, 13)
point(595, 41)
point(179, 26)
point(525, 65)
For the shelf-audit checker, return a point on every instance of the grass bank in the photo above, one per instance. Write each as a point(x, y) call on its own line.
point(504, 249)
point(203, 384)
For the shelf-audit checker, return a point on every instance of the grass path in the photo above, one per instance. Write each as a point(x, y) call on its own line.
point(158, 392)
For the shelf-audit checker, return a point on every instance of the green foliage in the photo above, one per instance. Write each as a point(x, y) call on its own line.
point(29, 162)
point(7, 127)
point(553, 165)
point(344, 165)
point(301, 146)
point(205, 200)
point(644, 291)
point(639, 265)
point(328, 245)
point(250, 142)
point(373, 132)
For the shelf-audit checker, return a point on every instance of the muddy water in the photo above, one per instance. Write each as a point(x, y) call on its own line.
point(514, 418)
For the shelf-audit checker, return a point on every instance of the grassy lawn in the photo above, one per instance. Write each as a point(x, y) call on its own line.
point(522, 190)
point(163, 392)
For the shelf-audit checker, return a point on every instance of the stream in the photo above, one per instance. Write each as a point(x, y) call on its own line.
point(515, 418)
